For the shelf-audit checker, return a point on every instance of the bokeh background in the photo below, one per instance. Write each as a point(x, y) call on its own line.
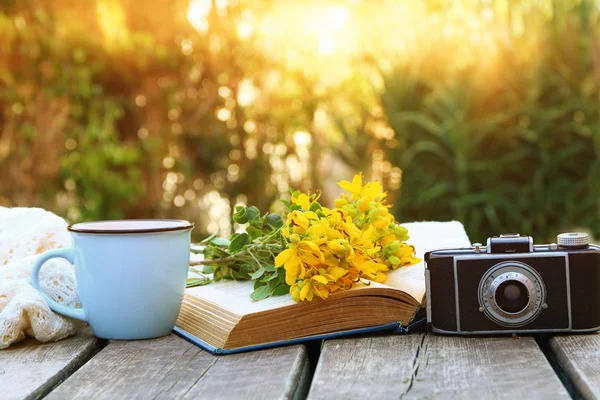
point(484, 111)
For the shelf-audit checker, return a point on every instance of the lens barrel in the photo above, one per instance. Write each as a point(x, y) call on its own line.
point(512, 296)
point(511, 293)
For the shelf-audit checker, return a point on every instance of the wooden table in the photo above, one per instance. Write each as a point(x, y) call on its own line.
point(412, 366)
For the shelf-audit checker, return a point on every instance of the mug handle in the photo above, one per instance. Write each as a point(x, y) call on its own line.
point(69, 255)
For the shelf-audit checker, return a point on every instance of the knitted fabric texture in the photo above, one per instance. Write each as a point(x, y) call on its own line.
point(25, 233)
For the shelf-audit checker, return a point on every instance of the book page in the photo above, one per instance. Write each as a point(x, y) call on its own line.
point(426, 236)
point(235, 297)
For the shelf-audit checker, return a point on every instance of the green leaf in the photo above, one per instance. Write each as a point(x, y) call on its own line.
point(241, 215)
point(208, 239)
point(252, 214)
point(253, 232)
point(281, 290)
point(261, 293)
point(258, 273)
point(286, 203)
point(275, 220)
point(217, 241)
point(315, 206)
point(269, 267)
point(269, 278)
point(244, 272)
point(281, 275)
point(238, 241)
point(200, 281)
point(207, 269)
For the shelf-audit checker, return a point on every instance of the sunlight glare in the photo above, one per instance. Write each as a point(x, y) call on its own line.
point(326, 46)
point(245, 30)
point(197, 14)
point(223, 114)
point(302, 139)
point(247, 93)
point(111, 19)
point(338, 15)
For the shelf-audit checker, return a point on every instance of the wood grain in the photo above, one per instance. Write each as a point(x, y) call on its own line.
point(430, 366)
point(30, 369)
point(172, 368)
point(579, 357)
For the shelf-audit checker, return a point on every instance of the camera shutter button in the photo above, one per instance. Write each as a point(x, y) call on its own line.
point(574, 240)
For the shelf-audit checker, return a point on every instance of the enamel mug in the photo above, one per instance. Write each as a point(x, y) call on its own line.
point(130, 275)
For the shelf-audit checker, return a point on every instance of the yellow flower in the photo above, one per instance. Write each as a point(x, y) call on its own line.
point(303, 290)
point(295, 259)
point(295, 292)
point(321, 229)
point(306, 291)
point(406, 254)
point(337, 272)
point(364, 203)
point(304, 200)
point(342, 201)
point(337, 246)
point(382, 222)
point(370, 233)
point(372, 190)
point(374, 271)
point(354, 188)
point(387, 239)
point(318, 285)
point(301, 199)
point(299, 221)
point(336, 216)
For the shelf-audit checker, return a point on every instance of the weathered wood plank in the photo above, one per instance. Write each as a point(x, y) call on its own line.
point(30, 369)
point(172, 368)
point(430, 366)
point(579, 357)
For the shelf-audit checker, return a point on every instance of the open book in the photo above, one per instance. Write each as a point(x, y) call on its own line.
point(222, 318)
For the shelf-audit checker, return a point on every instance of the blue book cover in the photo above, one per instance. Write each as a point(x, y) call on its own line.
point(394, 327)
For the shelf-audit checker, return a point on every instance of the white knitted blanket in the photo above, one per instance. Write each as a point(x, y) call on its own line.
point(25, 233)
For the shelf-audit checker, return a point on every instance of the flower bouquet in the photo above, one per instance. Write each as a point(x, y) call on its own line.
point(312, 251)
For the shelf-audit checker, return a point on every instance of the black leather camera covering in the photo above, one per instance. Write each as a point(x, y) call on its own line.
point(585, 289)
point(441, 281)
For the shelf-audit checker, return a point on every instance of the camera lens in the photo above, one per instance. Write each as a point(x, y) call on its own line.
point(512, 296)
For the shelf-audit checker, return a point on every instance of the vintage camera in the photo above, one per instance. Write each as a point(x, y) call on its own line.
point(513, 286)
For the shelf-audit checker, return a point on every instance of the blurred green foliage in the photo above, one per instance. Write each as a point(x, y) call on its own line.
point(482, 111)
point(515, 151)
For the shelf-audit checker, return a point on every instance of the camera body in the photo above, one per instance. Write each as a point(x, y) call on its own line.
point(513, 286)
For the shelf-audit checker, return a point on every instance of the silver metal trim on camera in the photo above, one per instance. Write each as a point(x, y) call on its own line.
point(473, 256)
point(516, 331)
point(483, 250)
point(511, 271)
point(427, 292)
